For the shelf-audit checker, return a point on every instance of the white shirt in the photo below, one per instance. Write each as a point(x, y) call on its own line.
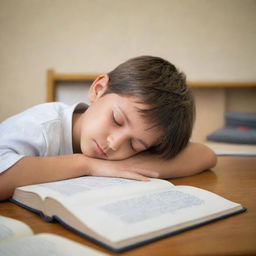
point(43, 130)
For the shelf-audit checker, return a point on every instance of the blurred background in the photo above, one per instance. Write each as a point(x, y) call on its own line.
point(210, 40)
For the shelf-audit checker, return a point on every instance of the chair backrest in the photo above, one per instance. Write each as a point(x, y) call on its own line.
point(68, 88)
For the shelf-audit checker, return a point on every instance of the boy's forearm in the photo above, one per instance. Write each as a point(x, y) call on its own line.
point(33, 170)
point(193, 159)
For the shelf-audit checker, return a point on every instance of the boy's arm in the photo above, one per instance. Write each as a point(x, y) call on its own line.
point(193, 159)
point(33, 170)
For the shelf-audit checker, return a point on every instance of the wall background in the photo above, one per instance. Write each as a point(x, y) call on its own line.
point(210, 40)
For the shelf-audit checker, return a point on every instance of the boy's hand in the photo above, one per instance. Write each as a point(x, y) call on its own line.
point(120, 169)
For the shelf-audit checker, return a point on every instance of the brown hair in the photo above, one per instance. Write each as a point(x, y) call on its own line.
point(159, 85)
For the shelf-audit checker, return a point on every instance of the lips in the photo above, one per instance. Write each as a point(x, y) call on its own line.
point(99, 150)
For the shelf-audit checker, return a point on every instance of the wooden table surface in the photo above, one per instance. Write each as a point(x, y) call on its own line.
point(233, 178)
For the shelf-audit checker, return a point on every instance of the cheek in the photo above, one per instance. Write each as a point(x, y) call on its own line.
point(95, 127)
point(99, 119)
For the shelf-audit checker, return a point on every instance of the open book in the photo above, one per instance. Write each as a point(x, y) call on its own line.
point(17, 238)
point(121, 214)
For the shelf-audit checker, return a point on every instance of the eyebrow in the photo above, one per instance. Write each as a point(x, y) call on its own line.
point(129, 122)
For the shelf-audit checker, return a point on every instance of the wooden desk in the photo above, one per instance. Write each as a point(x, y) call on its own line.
point(233, 178)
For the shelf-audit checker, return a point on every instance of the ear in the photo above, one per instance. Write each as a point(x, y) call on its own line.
point(98, 87)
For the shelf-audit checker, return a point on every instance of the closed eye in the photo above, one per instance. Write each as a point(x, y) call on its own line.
point(133, 149)
point(115, 121)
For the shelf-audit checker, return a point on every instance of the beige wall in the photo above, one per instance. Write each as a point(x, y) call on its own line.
point(212, 40)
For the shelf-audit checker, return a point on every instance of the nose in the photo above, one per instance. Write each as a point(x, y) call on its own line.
point(115, 141)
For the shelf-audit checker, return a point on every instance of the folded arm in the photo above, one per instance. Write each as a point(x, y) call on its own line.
point(193, 159)
point(33, 170)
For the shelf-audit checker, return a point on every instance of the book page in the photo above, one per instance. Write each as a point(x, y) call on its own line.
point(47, 244)
point(11, 229)
point(72, 187)
point(90, 188)
point(172, 208)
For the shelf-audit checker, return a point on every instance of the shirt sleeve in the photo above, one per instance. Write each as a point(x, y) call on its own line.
point(20, 136)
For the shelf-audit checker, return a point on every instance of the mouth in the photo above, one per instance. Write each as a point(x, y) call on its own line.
point(99, 150)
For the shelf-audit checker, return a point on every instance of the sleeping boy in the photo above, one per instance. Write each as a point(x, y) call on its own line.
point(138, 125)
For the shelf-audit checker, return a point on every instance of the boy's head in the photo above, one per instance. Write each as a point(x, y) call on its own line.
point(143, 104)
point(163, 89)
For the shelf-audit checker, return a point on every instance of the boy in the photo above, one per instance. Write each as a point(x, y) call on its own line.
point(137, 126)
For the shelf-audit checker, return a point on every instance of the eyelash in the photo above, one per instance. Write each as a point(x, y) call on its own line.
point(114, 120)
point(118, 124)
point(132, 146)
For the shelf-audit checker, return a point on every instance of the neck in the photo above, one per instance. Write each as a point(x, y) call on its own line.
point(76, 132)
